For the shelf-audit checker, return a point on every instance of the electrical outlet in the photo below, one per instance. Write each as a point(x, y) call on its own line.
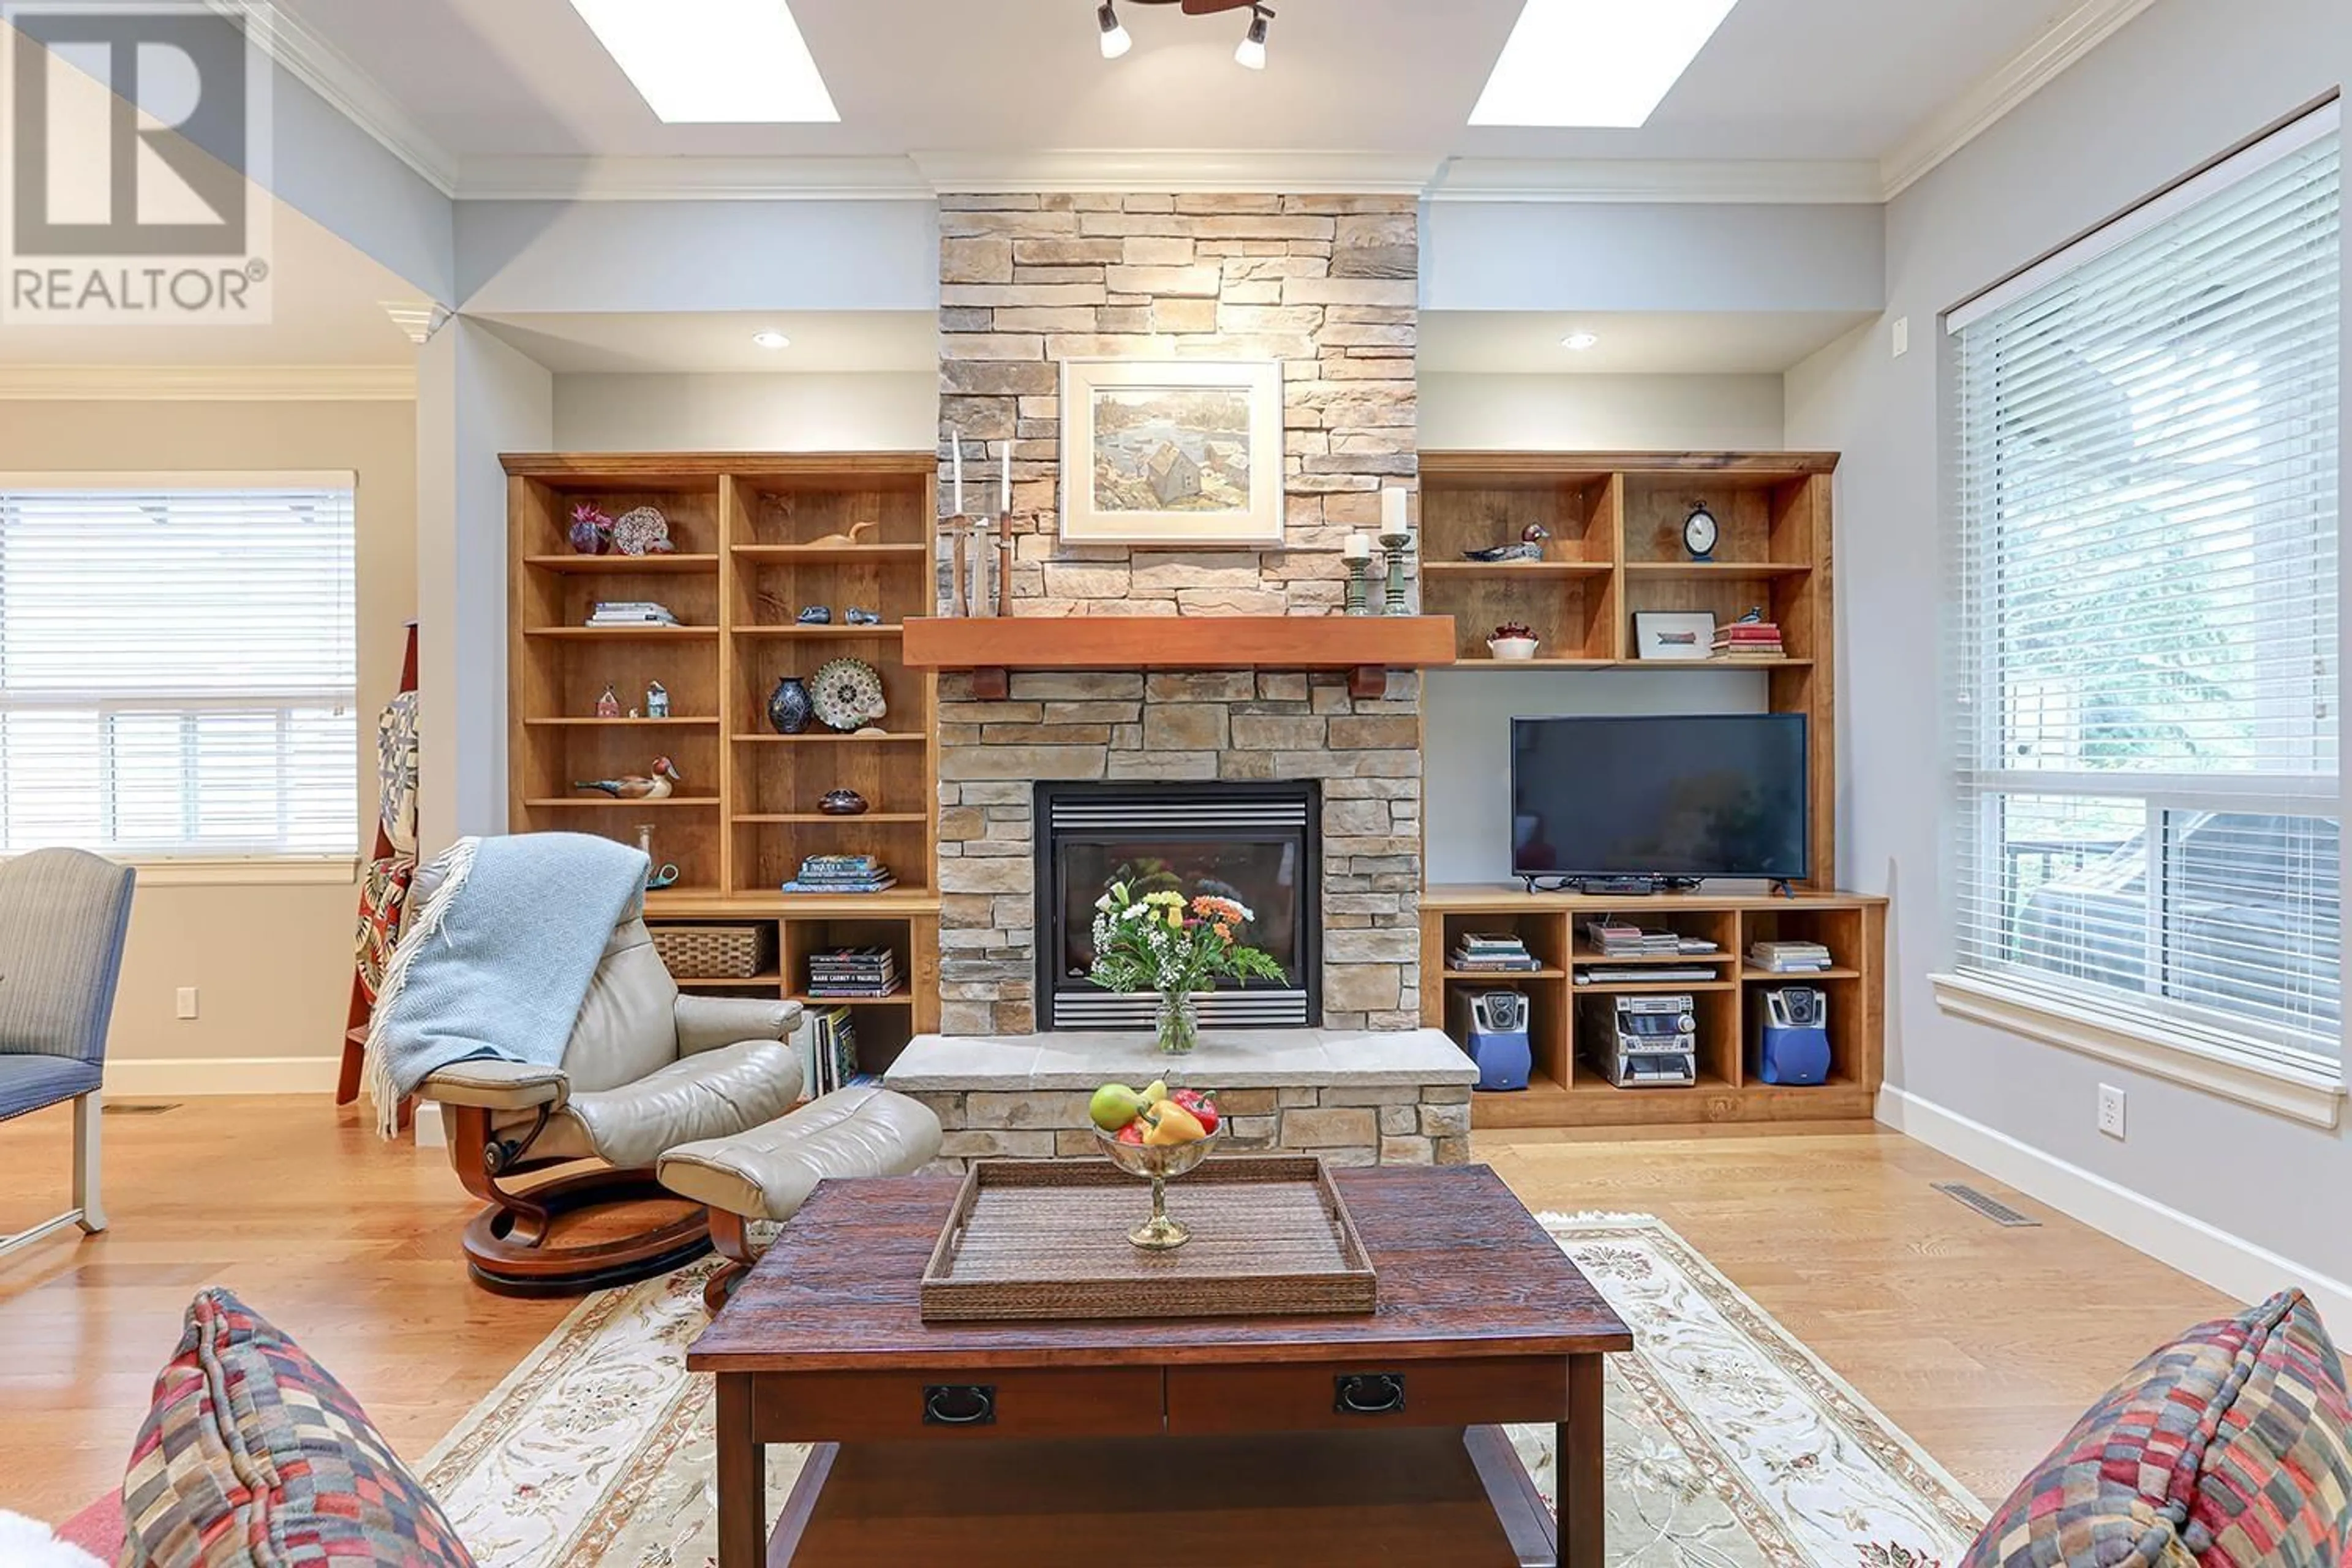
point(2111, 1111)
point(187, 1002)
point(1902, 336)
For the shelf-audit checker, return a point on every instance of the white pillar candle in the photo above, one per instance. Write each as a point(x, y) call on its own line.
point(1004, 495)
point(1393, 512)
point(955, 437)
point(1358, 547)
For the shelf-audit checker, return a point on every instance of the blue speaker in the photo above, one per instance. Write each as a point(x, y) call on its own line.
point(1496, 1038)
point(1792, 1046)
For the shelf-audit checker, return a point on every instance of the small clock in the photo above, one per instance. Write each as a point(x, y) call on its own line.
point(1701, 534)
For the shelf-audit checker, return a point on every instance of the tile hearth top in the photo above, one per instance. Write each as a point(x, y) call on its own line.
point(1229, 1058)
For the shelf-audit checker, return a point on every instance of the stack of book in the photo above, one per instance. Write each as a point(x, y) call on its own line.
point(1612, 939)
point(828, 1043)
point(855, 972)
point(841, 874)
point(1789, 957)
point(1478, 953)
point(631, 613)
point(1749, 639)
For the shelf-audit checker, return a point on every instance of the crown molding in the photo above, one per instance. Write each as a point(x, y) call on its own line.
point(348, 88)
point(207, 384)
point(1222, 173)
point(1981, 107)
point(417, 320)
point(691, 180)
point(1656, 179)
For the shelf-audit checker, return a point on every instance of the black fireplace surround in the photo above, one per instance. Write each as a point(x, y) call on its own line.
point(1261, 844)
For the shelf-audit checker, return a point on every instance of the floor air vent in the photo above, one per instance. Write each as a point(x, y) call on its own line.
point(1993, 1209)
point(133, 1108)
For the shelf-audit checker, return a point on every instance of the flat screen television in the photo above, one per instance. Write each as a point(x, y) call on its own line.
point(1679, 798)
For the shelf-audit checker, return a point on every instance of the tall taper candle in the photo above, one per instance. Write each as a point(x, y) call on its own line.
point(1004, 495)
point(955, 438)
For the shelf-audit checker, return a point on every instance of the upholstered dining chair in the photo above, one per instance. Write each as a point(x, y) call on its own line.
point(63, 914)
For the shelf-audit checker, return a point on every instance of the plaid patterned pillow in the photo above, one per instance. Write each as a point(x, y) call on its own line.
point(254, 1456)
point(2231, 1447)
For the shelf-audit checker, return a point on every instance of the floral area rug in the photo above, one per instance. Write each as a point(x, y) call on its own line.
point(1729, 1443)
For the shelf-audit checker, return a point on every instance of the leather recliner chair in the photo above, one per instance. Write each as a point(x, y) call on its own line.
point(647, 1068)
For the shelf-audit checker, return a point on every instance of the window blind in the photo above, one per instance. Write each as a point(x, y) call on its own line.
point(177, 667)
point(2145, 468)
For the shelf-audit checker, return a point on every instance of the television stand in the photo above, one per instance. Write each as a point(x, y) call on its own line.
point(1612, 887)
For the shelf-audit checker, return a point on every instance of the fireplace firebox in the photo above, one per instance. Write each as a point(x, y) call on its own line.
point(1260, 844)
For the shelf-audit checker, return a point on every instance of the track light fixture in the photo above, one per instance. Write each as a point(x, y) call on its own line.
point(1251, 55)
point(1115, 39)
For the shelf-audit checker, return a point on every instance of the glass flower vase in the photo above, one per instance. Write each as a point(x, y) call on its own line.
point(1179, 1024)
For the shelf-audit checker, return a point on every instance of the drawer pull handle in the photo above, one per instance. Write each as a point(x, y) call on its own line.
point(960, 1405)
point(1380, 1393)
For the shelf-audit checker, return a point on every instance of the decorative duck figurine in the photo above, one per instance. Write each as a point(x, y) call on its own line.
point(844, 541)
point(661, 785)
point(1529, 548)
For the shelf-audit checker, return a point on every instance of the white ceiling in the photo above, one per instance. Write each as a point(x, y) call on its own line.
point(1784, 79)
point(720, 343)
point(1527, 342)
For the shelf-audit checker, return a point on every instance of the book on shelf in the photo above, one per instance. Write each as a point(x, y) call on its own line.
point(841, 874)
point(1615, 939)
point(828, 1043)
point(854, 974)
point(630, 613)
point(1485, 954)
point(1789, 957)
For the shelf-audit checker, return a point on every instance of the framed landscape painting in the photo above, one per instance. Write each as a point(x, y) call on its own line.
point(1171, 455)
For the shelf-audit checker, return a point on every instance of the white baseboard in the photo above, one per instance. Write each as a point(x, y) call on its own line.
point(2198, 1250)
point(177, 1078)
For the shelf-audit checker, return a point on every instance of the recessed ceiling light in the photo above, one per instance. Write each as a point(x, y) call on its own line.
point(1596, 63)
point(771, 340)
point(1579, 342)
point(714, 62)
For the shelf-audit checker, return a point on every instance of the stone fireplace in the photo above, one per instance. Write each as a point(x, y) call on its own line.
point(1327, 286)
point(1259, 845)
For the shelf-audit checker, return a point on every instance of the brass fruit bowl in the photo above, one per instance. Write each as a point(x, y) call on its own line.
point(1161, 1164)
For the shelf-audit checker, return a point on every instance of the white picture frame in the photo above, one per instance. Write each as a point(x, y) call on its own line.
point(1674, 636)
point(1182, 454)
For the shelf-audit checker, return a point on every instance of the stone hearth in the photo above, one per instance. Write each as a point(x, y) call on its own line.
point(1351, 1098)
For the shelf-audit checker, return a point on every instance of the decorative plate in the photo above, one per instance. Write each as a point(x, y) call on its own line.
point(848, 694)
point(645, 531)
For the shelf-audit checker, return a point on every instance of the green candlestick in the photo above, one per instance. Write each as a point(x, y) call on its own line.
point(1400, 549)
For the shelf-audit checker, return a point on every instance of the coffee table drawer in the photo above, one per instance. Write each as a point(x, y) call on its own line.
point(908, 1407)
point(1206, 1400)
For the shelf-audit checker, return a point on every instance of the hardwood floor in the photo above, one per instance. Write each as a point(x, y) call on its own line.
point(1984, 1343)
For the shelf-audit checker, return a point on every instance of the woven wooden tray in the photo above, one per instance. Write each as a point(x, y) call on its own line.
point(1271, 1237)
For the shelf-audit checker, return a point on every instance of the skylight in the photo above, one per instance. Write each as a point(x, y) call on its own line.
point(1606, 63)
point(711, 62)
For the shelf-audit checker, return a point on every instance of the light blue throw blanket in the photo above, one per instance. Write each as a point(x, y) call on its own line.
point(499, 958)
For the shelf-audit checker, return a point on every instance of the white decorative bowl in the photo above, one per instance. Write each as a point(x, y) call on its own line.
point(1514, 650)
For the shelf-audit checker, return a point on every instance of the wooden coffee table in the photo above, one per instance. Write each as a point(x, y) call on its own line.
point(1288, 1441)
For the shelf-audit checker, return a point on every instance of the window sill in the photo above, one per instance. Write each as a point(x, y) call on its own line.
point(2177, 1056)
point(284, 871)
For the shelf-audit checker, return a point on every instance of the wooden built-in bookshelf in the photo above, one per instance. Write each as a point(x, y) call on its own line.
point(1566, 1090)
point(758, 541)
point(1616, 550)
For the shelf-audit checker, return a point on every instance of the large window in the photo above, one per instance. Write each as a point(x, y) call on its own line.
point(2147, 473)
point(177, 676)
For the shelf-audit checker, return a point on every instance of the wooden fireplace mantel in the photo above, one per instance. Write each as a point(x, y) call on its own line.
point(1366, 646)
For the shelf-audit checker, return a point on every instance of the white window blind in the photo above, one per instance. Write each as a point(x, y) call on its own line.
point(177, 669)
point(2146, 474)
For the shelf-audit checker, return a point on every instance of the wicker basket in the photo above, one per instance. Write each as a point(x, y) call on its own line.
point(713, 952)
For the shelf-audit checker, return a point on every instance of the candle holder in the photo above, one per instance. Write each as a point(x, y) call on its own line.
point(1399, 547)
point(1360, 583)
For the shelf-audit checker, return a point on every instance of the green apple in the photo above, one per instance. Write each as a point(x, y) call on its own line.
point(1114, 1106)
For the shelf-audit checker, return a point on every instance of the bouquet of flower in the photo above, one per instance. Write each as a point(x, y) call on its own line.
point(1176, 947)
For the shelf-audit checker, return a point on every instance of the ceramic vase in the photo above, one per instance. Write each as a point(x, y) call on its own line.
point(789, 706)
